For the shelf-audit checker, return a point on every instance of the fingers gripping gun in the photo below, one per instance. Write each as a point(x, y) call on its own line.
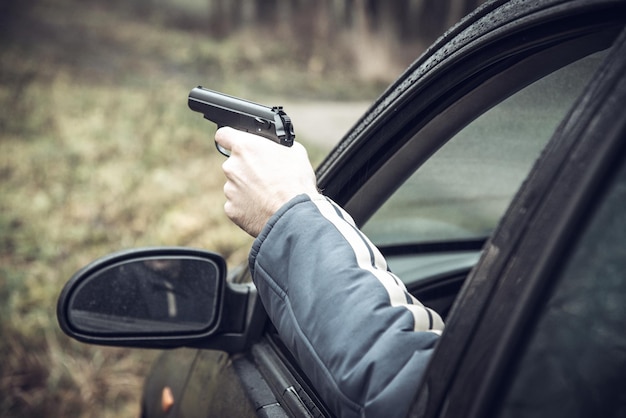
point(269, 122)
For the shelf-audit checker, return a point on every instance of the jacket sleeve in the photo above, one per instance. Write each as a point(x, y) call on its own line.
point(356, 332)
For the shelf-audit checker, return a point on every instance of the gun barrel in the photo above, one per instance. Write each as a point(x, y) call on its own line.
point(204, 100)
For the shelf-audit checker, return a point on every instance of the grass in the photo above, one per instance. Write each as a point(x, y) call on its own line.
point(98, 152)
point(97, 174)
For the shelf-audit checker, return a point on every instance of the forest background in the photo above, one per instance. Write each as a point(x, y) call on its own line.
point(98, 151)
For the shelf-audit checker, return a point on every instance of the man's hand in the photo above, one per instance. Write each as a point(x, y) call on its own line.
point(261, 176)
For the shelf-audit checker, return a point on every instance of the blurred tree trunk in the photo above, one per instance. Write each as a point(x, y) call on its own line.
point(226, 16)
point(410, 20)
point(219, 22)
point(321, 28)
point(267, 12)
point(143, 7)
point(314, 22)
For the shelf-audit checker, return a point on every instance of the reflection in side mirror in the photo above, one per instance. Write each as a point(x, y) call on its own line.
point(148, 296)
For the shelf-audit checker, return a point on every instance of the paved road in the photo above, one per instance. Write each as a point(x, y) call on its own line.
point(324, 123)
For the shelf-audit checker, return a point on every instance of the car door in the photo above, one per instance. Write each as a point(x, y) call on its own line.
point(548, 296)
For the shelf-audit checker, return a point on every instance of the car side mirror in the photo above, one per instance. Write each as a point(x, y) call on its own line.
point(160, 297)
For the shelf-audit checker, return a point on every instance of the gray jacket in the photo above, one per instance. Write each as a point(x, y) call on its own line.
point(356, 332)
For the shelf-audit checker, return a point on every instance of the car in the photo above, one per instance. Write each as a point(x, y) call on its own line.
point(492, 176)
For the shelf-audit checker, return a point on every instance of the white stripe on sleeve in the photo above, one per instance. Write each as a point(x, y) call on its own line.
point(371, 259)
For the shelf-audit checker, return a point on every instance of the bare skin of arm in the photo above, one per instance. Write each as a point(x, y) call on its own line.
point(261, 176)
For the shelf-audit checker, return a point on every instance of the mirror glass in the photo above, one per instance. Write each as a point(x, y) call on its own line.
point(148, 296)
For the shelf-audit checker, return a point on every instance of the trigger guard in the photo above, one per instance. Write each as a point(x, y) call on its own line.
point(222, 150)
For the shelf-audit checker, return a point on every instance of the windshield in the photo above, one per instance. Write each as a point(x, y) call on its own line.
point(462, 191)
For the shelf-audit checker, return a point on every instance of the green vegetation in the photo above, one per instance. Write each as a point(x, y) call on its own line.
point(98, 152)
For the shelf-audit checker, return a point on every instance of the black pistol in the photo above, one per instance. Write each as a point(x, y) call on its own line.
point(269, 122)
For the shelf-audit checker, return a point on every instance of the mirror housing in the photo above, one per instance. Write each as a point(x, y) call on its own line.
point(163, 297)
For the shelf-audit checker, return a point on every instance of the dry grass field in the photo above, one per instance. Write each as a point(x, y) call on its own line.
point(99, 152)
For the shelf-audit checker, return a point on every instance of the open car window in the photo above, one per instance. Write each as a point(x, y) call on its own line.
point(462, 191)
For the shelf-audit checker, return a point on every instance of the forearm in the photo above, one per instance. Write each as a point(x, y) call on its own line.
point(356, 332)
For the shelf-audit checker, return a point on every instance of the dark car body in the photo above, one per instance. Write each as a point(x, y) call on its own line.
point(516, 118)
